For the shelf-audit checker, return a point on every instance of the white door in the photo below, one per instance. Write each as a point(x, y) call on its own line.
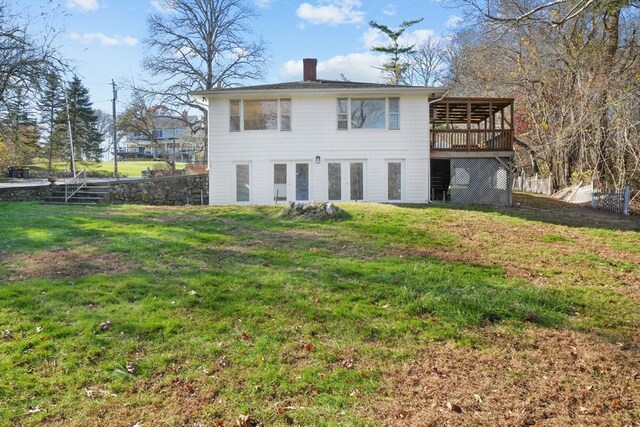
point(346, 180)
point(291, 181)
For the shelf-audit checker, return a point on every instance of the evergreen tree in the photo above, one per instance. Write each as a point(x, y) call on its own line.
point(84, 122)
point(52, 125)
point(395, 66)
point(18, 131)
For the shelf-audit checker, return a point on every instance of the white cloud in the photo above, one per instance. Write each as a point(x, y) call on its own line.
point(263, 3)
point(374, 37)
point(357, 67)
point(454, 21)
point(103, 39)
point(83, 5)
point(332, 12)
point(389, 9)
point(160, 6)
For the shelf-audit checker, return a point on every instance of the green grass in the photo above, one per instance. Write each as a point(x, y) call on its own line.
point(217, 307)
point(126, 168)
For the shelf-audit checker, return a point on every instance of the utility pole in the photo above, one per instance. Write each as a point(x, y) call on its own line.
point(115, 138)
point(73, 156)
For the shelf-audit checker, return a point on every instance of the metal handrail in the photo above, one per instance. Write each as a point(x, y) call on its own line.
point(72, 186)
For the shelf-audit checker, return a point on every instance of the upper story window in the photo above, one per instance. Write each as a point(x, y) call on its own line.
point(234, 115)
point(394, 113)
point(260, 115)
point(157, 133)
point(368, 113)
point(343, 113)
point(271, 114)
point(285, 114)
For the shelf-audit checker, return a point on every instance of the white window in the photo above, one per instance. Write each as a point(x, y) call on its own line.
point(394, 113)
point(234, 116)
point(368, 113)
point(260, 115)
point(394, 180)
point(243, 182)
point(269, 114)
point(285, 114)
point(343, 113)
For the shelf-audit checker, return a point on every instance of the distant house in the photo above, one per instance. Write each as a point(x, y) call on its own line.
point(169, 138)
point(346, 141)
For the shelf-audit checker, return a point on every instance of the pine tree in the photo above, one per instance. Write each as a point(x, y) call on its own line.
point(19, 131)
point(394, 67)
point(84, 122)
point(52, 125)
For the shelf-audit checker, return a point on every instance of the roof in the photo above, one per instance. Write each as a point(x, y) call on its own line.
point(321, 85)
point(455, 110)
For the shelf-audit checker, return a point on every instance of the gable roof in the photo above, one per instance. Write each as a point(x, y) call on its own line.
point(322, 85)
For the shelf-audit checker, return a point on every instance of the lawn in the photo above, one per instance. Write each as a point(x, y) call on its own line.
point(396, 315)
point(126, 168)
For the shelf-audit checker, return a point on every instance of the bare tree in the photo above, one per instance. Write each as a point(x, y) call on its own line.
point(427, 65)
point(200, 45)
point(572, 65)
point(26, 59)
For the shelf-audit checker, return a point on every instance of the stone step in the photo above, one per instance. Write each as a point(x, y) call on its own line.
point(46, 202)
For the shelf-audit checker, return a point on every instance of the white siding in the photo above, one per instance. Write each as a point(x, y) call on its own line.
point(314, 133)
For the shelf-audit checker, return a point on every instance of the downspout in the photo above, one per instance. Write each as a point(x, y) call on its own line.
point(429, 144)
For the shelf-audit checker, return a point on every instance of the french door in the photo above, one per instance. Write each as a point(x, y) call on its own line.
point(345, 180)
point(291, 181)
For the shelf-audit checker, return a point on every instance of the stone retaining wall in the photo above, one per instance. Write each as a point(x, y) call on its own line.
point(25, 194)
point(172, 190)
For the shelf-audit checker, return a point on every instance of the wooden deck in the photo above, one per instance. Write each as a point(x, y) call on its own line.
point(464, 125)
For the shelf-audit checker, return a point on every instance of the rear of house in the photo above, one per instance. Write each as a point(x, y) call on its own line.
point(320, 140)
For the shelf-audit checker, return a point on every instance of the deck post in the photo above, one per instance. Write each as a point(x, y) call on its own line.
point(468, 125)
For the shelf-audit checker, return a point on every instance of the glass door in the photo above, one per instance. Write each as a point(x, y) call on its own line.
point(280, 182)
point(285, 176)
point(345, 180)
point(302, 181)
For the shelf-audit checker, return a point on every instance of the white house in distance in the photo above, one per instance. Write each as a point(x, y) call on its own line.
point(348, 141)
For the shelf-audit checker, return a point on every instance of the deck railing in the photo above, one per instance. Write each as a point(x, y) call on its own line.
point(471, 140)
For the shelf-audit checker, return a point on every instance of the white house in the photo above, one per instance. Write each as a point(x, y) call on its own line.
point(331, 140)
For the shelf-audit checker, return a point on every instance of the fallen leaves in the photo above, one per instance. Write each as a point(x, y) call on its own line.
point(454, 408)
point(131, 367)
point(93, 392)
point(34, 410)
point(347, 363)
point(105, 326)
point(249, 421)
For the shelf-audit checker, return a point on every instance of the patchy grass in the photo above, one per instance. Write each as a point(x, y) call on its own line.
point(397, 315)
point(126, 168)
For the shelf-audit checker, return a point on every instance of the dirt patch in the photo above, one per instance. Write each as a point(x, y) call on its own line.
point(63, 263)
point(548, 377)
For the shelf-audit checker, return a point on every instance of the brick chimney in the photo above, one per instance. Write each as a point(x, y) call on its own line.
point(309, 69)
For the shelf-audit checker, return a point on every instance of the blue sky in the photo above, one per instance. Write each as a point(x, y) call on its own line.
point(103, 38)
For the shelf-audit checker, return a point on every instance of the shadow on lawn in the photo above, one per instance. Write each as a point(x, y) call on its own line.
point(246, 259)
point(549, 210)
